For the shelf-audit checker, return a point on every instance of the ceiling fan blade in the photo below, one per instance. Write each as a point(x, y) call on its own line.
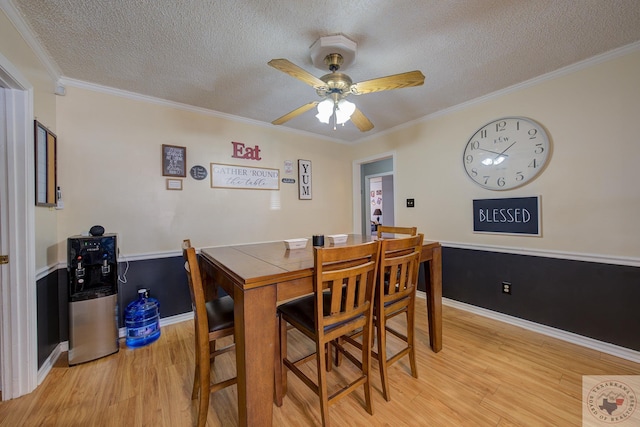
point(396, 81)
point(293, 70)
point(294, 113)
point(361, 121)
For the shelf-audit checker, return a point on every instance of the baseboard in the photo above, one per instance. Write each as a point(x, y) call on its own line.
point(51, 360)
point(612, 349)
point(122, 332)
point(164, 321)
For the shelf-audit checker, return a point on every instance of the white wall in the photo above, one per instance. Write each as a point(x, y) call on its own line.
point(590, 192)
point(590, 195)
point(110, 172)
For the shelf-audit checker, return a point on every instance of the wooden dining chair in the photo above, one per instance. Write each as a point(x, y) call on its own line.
point(409, 231)
point(213, 320)
point(342, 302)
point(395, 294)
point(400, 263)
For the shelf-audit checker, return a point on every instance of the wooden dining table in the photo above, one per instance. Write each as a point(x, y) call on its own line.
point(261, 275)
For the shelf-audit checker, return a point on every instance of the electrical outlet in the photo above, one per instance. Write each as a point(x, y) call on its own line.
point(506, 288)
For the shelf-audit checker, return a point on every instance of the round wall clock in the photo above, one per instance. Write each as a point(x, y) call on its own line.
point(506, 153)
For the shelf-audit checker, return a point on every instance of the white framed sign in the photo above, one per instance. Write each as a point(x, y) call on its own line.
point(244, 177)
point(304, 179)
point(174, 184)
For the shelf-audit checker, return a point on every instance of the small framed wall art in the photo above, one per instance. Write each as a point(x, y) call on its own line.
point(174, 160)
point(304, 179)
point(174, 184)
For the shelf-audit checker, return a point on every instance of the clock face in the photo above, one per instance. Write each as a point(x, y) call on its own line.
point(506, 153)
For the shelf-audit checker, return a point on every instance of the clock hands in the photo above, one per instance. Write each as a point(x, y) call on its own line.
point(503, 151)
point(493, 152)
point(500, 157)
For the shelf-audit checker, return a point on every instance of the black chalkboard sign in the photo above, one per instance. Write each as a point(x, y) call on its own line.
point(198, 172)
point(516, 215)
point(174, 160)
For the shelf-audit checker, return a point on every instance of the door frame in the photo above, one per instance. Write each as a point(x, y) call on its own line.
point(18, 308)
point(359, 191)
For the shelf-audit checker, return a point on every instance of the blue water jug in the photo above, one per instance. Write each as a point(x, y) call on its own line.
point(142, 319)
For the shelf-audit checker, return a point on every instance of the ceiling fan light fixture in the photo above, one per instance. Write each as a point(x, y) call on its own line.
point(344, 111)
point(325, 110)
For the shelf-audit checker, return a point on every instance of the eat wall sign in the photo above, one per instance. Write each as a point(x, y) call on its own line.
point(241, 151)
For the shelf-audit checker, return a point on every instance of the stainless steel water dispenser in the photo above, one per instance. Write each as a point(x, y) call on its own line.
point(92, 270)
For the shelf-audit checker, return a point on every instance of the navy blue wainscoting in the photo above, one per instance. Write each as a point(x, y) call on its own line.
point(48, 312)
point(165, 278)
point(595, 300)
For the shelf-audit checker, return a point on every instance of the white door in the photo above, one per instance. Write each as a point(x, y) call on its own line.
point(18, 315)
point(3, 187)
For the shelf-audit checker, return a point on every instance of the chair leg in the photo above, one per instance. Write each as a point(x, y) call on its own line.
point(277, 368)
point(338, 357)
point(196, 383)
point(196, 376)
point(366, 367)
point(205, 393)
point(212, 349)
point(322, 383)
point(382, 357)
point(411, 339)
point(283, 355)
point(327, 355)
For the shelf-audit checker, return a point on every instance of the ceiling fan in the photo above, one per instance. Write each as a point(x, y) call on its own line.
point(334, 87)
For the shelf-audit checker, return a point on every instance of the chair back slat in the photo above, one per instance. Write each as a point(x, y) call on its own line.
point(399, 267)
point(387, 229)
point(348, 275)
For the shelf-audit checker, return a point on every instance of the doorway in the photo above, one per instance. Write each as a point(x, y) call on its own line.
point(379, 202)
point(379, 168)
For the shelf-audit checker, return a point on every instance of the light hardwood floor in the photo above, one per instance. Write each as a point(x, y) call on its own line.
point(488, 374)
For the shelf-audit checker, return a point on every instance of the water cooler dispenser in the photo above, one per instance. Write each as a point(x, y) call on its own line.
point(92, 269)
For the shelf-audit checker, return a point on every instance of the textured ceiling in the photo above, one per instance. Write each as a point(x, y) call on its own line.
point(214, 54)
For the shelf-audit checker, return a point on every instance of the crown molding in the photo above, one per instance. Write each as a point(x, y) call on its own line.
point(29, 36)
point(56, 74)
point(65, 81)
point(569, 69)
point(581, 65)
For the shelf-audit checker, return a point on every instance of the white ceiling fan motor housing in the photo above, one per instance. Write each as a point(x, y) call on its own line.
point(327, 45)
